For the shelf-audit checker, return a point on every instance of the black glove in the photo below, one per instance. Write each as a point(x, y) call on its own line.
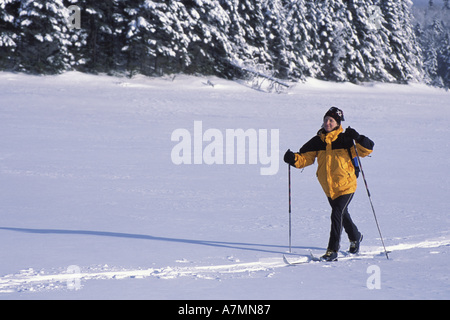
point(289, 157)
point(352, 133)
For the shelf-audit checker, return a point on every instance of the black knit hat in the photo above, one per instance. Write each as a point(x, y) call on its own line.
point(336, 113)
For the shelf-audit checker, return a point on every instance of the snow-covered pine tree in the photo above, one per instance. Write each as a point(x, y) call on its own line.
point(95, 20)
point(167, 37)
point(168, 25)
point(9, 34)
point(343, 44)
point(444, 51)
point(279, 44)
point(432, 31)
point(247, 33)
point(77, 37)
point(157, 25)
point(429, 39)
point(300, 28)
point(119, 25)
point(336, 40)
point(371, 50)
point(143, 44)
point(314, 56)
point(404, 62)
point(180, 23)
point(104, 26)
point(235, 29)
point(134, 47)
point(43, 38)
point(323, 27)
point(446, 60)
point(210, 48)
point(412, 49)
point(437, 56)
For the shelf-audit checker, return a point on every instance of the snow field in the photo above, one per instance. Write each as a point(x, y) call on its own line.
point(88, 181)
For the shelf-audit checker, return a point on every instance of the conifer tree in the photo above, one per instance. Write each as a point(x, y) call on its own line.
point(104, 26)
point(246, 32)
point(9, 34)
point(432, 31)
point(134, 47)
point(148, 31)
point(314, 56)
point(210, 49)
point(43, 38)
point(372, 46)
point(234, 29)
point(77, 43)
point(336, 40)
point(405, 58)
point(278, 40)
point(300, 28)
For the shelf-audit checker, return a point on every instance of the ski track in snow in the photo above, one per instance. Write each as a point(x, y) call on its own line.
point(30, 280)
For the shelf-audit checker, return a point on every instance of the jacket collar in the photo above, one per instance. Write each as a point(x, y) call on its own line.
point(331, 136)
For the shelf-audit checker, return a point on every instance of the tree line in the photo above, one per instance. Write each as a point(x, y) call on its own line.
point(337, 40)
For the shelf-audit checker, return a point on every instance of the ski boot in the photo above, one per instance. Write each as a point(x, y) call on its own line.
point(354, 245)
point(329, 256)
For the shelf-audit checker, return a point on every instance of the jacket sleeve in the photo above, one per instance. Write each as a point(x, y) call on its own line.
point(308, 153)
point(364, 146)
point(305, 159)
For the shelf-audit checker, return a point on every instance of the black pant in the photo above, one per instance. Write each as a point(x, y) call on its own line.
point(341, 218)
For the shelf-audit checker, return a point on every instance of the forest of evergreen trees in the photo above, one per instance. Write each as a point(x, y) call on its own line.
point(432, 27)
point(338, 40)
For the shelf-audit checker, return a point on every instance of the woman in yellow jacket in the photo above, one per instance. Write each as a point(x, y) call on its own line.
point(336, 173)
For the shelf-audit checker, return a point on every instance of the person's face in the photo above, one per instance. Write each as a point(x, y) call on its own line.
point(329, 124)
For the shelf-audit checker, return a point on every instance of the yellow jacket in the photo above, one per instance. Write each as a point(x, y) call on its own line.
point(335, 170)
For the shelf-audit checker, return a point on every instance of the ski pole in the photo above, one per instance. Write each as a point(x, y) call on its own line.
point(370, 199)
point(289, 182)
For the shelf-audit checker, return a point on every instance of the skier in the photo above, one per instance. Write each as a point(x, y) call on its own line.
point(337, 173)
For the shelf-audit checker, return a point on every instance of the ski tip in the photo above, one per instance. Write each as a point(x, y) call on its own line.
point(297, 260)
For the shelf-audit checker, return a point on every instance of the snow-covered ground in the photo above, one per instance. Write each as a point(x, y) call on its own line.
point(93, 206)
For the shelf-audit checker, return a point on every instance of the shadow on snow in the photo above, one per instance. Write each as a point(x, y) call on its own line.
point(221, 244)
